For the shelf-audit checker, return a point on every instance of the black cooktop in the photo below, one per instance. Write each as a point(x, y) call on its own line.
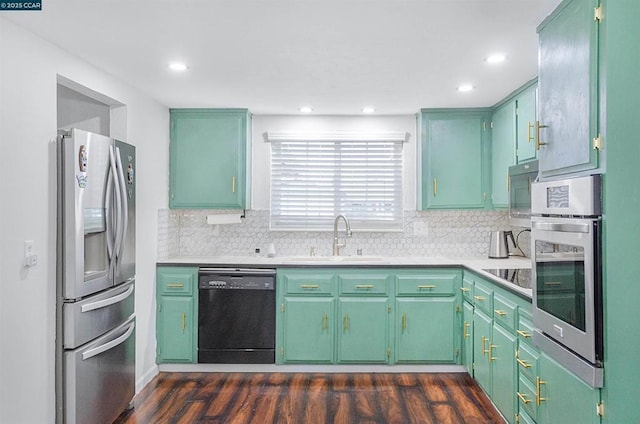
point(520, 277)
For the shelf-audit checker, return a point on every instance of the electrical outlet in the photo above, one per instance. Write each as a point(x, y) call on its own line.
point(30, 257)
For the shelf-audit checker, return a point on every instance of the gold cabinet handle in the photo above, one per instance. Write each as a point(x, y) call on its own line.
point(346, 321)
point(553, 283)
point(538, 397)
point(523, 398)
point(538, 142)
point(524, 334)
point(309, 286)
point(426, 286)
point(233, 184)
point(435, 186)
point(404, 321)
point(465, 289)
point(464, 330)
point(523, 364)
point(480, 298)
point(491, 347)
point(529, 136)
point(184, 321)
point(508, 182)
point(175, 285)
point(484, 340)
point(364, 286)
point(501, 313)
point(324, 322)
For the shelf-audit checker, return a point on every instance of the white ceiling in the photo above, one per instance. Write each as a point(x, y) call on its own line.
point(273, 56)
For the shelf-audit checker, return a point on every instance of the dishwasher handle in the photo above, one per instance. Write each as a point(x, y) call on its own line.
point(238, 271)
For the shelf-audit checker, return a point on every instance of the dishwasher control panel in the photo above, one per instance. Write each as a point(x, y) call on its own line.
point(236, 280)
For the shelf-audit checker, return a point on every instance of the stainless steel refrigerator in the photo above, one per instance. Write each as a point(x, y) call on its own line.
point(95, 327)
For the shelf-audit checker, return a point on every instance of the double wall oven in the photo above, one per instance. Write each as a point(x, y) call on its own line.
point(567, 273)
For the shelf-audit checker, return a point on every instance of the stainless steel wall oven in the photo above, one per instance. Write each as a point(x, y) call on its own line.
point(566, 231)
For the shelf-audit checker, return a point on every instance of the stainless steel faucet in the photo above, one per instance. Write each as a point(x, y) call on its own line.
point(337, 245)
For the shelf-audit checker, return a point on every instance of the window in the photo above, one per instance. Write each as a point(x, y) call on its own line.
point(314, 179)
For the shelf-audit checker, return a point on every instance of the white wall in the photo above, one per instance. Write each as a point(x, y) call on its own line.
point(28, 74)
point(370, 124)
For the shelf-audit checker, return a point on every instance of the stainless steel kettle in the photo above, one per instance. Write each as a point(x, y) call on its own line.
point(498, 245)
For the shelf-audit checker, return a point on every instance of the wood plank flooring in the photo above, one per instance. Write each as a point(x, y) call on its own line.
point(301, 398)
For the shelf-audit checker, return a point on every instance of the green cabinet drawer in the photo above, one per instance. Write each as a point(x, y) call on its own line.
point(176, 281)
point(527, 357)
point(483, 298)
point(467, 289)
point(365, 283)
point(425, 284)
point(527, 397)
point(505, 312)
point(308, 284)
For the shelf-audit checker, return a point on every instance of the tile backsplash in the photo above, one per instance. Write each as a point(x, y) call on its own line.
point(426, 233)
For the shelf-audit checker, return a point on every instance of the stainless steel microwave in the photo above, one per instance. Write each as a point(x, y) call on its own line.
point(520, 178)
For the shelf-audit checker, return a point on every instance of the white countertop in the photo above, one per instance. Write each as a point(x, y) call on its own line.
point(476, 264)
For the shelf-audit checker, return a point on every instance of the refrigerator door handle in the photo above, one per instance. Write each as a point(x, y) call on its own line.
point(124, 204)
point(108, 198)
point(107, 302)
point(116, 185)
point(109, 345)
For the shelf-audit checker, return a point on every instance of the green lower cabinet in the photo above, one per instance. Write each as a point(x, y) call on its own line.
point(504, 371)
point(363, 330)
point(467, 337)
point(176, 317)
point(481, 338)
point(425, 330)
point(175, 329)
point(308, 324)
point(564, 398)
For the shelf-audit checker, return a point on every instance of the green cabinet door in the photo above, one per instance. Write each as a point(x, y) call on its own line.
point(175, 329)
point(502, 152)
point(467, 337)
point(308, 330)
point(525, 125)
point(481, 338)
point(425, 330)
point(208, 156)
point(568, 88)
point(363, 330)
point(504, 371)
point(564, 398)
point(453, 159)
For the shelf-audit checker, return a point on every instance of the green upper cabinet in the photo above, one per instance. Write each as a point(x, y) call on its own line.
point(568, 89)
point(525, 124)
point(502, 152)
point(453, 158)
point(209, 153)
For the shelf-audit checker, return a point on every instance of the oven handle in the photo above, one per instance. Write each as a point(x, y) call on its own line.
point(563, 227)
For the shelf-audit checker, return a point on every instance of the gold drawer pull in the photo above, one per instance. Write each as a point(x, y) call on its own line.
point(484, 340)
point(491, 347)
point(553, 283)
point(464, 330)
point(523, 398)
point(364, 286)
point(523, 364)
point(309, 286)
point(435, 187)
point(404, 321)
point(324, 322)
point(175, 285)
point(233, 184)
point(427, 286)
point(346, 321)
point(501, 313)
point(465, 289)
point(184, 321)
point(480, 298)
point(524, 334)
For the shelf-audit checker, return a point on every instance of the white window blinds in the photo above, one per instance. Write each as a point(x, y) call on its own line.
point(313, 180)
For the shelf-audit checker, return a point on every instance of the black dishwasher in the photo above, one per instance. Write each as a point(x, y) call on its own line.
point(236, 316)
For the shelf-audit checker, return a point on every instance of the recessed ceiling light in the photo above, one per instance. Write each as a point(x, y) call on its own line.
point(306, 109)
point(177, 66)
point(368, 109)
point(496, 58)
point(465, 87)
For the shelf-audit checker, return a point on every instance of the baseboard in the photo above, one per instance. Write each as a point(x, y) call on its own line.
point(146, 378)
point(311, 368)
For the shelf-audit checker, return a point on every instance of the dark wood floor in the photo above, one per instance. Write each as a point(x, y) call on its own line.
point(311, 398)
